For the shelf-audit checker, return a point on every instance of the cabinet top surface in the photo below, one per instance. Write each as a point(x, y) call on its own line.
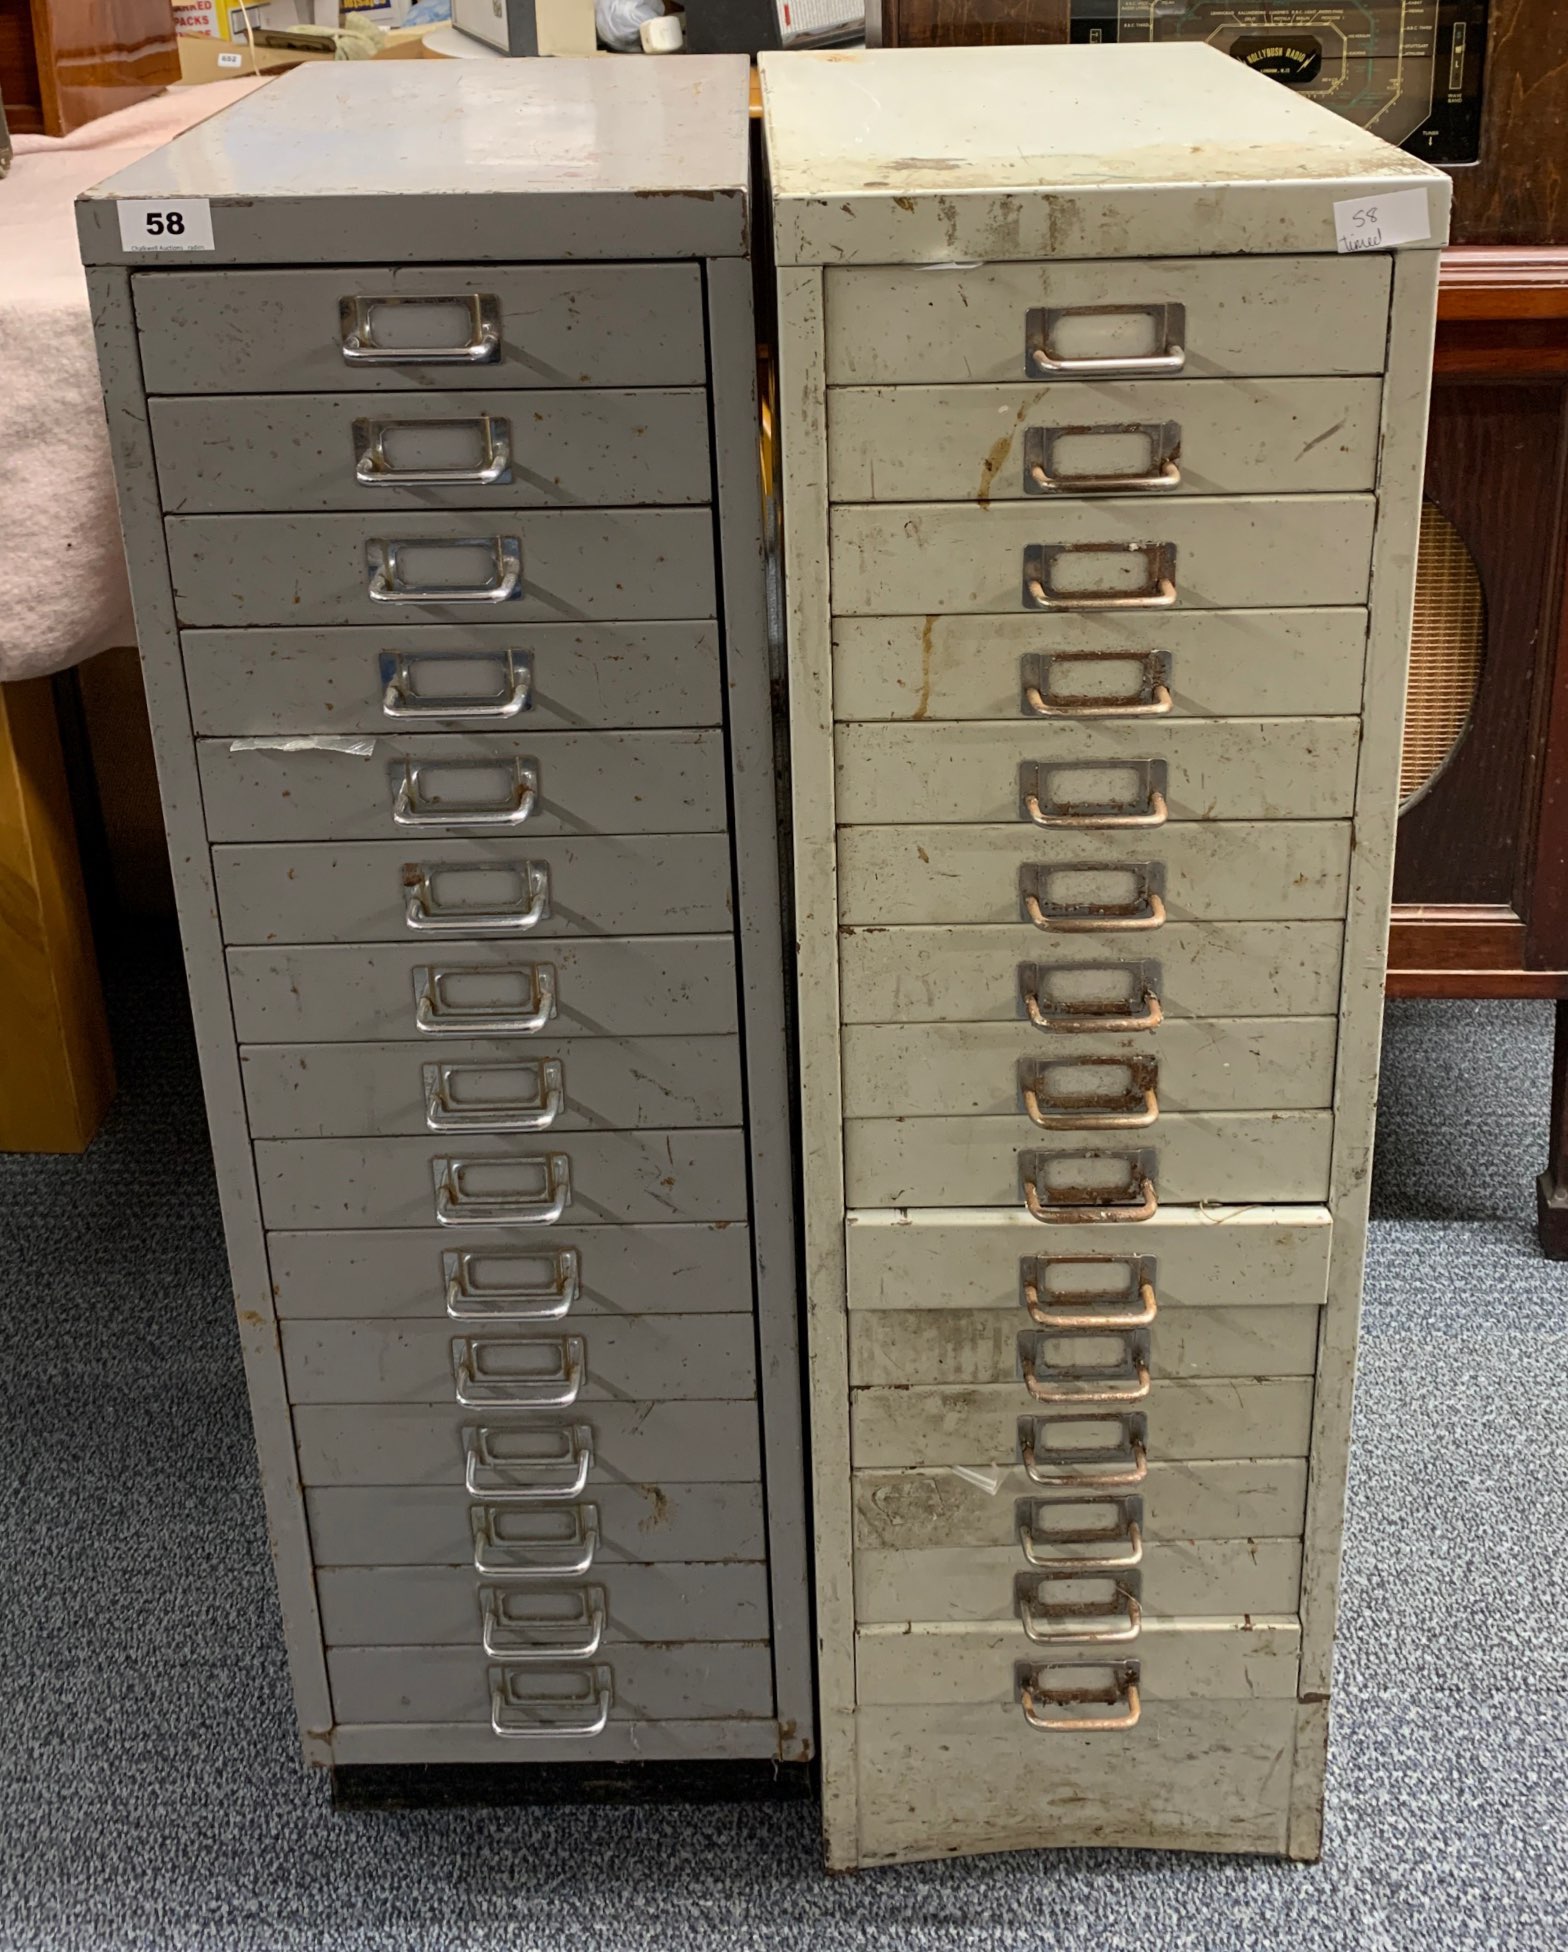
point(608, 139)
point(966, 138)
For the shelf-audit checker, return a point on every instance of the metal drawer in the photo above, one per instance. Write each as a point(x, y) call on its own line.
point(283, 331)
point(1232, 1498)
point(1228, 1578)
point(1188, 1158)
point(1249, 1417)
point(446, 678)
point(412, 1444)
point(512, 1365)
point(641, 986)
point(889, 1347)
point(930, 1070)
point(661, 1682)
point(1193, 870)
point(437, 1606)
point(539, 566)
point(1089, 665)
point(573, 1179)
point(981, 975)
point(638, 1524)
point(1178, 1660)
point(480, 784)
point(1224, 1257)
point(1209, 1775)
point(1245, 317)
point(1084, 776)
point(432, 890)
point(1110, 553)
point(1188, 437)
point(500, 1275)
point(261, 454)
point(322, 1091)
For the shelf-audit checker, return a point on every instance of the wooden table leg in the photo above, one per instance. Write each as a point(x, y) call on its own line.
point(1551, 1189)
point(56, 1071)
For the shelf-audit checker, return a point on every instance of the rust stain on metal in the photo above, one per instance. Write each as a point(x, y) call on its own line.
point(923, 702)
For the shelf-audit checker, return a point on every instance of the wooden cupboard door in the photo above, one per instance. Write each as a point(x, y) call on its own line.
point(75, 60)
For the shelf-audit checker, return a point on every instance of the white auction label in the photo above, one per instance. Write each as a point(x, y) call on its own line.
point(1378, 223)
point(165, 224)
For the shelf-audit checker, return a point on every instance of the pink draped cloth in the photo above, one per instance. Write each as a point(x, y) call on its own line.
point(63, 591)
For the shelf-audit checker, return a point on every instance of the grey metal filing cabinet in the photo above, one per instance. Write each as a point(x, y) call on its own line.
point(1104, 381)
point(432, 394)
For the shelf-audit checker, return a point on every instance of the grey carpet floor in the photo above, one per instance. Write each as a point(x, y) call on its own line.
point(149, 1792)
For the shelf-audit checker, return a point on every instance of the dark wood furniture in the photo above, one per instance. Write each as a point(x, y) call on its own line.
point(66, 62)
point(1481, 873)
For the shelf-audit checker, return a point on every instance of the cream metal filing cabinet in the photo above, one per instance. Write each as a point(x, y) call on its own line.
point(1100, 502)
point(440, 459)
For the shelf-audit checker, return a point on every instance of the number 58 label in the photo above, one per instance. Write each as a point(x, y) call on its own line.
point(165, 224)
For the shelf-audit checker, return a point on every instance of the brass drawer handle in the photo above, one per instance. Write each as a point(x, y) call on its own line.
point(442, 1115)
point(1142, 1205)
point(526, 1480)
point(1151, 699)
point(518, 805)
point(1161, 476)
point(519, 1716)
point(1158, 593)
point(1092, 1467)
point(482, 347)
point(1135, 1110)
point(551, 1301)
point(1150, 1017)
point(1169, 331)
point(1122, 1688)
point(372, 469)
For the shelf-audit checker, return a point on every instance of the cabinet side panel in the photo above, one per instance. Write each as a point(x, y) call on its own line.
point(804, 439)
point(174, 747)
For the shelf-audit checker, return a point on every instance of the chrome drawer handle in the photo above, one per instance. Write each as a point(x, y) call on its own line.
point(520, 804)
point(386, 584)
point(454, 1208)
point(1158, 593)
point(1121, 1689)
point(1135, 1110)
point(552, 1301)
point(552, 1640)
point(372, 469)
point(1091, 1467)
point(421, 913)
point(1146, 909)
point(1071, 1619)
point(1135, 1391)
point(527, 1481)
point(1152, 699)
point(1118, 1548)
point(476, 1391)
point(437, 1018)
point(1150, 1017)
point(544, 1720)
point(1160, 477)
point(1170, 330)
point(1121, 1309)
point(546, 1561)
point(441, 1115)
point(481, 348)
point(399, 701)
point(1140, 1205)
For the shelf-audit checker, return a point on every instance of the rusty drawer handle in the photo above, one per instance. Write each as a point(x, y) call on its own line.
point(1158, 593)
point(1107, 1470)
point(1155, 814)
point(1162, 475)
point(1138, 1109)
point(1168, 319)
point(1127, 1537)
point(1151, 699)
point(1150, 1017)
point(1134, 1392)
point(1123, 1688)
point(1060, 1319)
point(1070, 1620)
point(1142, 1206)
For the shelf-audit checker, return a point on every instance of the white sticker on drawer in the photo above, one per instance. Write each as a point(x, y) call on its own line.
point(1379, 223)
point(165, 224)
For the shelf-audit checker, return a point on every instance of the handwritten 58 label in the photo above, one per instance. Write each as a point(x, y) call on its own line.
point(165, 224)
point(1379, 223)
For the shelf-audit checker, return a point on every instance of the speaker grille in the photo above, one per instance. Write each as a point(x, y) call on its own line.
point(1446, 647)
